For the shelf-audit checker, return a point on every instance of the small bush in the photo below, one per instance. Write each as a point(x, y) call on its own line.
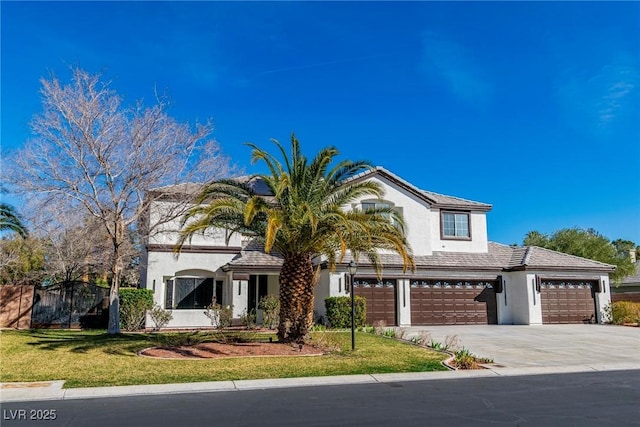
point(134, 303)
point(160, 317)
point(464, 359)
point(622, 312)
point(248, 319)
point(390, 333)
point(220, 315)
point(339, 311)
point(270, 306)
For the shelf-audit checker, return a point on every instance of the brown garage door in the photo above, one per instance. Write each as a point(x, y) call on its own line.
point(381, 299)
point(447, 302)
point(567, 301)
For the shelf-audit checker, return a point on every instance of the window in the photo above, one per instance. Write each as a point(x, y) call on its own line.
point(379, 205)
point(184, 293)
point(455, 225)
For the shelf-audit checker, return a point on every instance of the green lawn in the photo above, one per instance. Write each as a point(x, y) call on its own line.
point(93, 358)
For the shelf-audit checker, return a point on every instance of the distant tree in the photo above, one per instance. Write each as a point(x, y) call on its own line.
point(587, 244)
point(76, 245)
point(535, 238)
point(22, 261)
point(10, 220)
point(93, 154)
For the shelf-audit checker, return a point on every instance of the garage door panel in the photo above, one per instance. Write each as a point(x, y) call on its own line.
point(381, 299)
point(567, 301)
point(441, 302)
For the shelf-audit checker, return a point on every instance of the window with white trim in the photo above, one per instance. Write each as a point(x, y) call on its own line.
point(455, 225)
point(185, 293)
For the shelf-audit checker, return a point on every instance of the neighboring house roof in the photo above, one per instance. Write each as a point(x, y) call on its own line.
point(437, 200)
point(634, 279)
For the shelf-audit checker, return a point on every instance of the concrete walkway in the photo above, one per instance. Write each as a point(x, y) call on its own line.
point(516, 350)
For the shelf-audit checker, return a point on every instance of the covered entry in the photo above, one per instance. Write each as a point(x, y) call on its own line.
point(381, 299)
point(568, 301)
point(453, 302)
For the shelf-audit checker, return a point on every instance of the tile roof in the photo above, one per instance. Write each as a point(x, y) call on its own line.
point(253, 255)
point(499, 257)
point(436, 199)
point(439, 200)
point(634, 278)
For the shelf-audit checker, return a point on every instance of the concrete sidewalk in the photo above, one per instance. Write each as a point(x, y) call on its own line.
point(23, 392)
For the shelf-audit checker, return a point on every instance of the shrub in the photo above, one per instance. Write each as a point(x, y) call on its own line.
point(220, 315)
point(464, 359)
point(339, 311)
point(134, 303)
point(160, 317)
point(622, 312)
point(270, 306)
point(248, 319)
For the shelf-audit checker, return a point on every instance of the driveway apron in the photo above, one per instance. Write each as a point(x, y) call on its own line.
point(519, 346)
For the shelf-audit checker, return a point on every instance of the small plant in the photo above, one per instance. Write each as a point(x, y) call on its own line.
point(436, 345)
point(451, 342)
point(379, 327)
point(464, 359)
point(318, 328)
point(389, 333)
point(369, 329)
point(416, 339)
point(270, 306)
point(248, 319)
point(160, 317)
point(220, 315)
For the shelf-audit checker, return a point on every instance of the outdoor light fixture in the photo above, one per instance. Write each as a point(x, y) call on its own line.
point(352, 268)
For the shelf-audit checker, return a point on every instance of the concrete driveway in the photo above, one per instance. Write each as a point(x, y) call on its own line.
point(519, 346)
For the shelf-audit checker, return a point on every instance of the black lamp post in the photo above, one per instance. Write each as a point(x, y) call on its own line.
point(352, 268)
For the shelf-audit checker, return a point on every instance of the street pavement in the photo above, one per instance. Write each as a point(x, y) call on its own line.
point(515, 350)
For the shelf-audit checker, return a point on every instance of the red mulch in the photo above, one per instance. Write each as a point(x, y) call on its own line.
point(218, 350)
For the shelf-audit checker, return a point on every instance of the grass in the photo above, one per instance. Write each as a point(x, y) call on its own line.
point(93, 358)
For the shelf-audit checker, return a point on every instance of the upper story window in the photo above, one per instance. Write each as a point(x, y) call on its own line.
point(370, 205)
point(455, 225)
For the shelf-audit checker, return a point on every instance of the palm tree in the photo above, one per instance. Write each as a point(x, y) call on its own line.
point(10, 220)
point(302, 218)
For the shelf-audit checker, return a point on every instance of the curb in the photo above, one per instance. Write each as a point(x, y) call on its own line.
point(52, 390)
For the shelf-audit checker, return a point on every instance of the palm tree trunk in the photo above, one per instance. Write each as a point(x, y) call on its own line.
point(297, 280)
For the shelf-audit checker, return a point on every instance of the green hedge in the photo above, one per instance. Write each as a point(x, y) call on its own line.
point(134, 303)
point(339, 311)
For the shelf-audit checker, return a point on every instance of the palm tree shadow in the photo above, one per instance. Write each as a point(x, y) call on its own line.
point(82, 342)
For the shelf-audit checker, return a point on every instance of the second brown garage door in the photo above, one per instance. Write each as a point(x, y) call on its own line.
point(567, 301)
point(381, 300)
point(453, 302)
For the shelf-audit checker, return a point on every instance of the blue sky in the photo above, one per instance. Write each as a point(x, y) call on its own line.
point(532, 107)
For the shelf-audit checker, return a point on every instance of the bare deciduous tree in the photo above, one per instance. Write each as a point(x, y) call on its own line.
point(93, 153)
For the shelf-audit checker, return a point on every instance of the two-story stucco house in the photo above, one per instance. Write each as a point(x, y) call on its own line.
point(460, 277)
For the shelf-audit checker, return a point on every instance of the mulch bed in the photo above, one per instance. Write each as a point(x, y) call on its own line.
point(216, 350)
